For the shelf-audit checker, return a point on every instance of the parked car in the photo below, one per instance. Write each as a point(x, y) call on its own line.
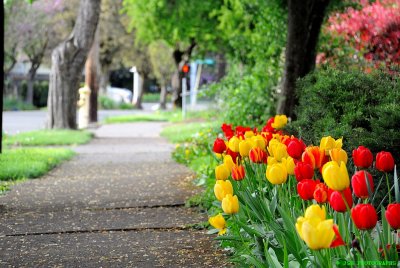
point(119, 95)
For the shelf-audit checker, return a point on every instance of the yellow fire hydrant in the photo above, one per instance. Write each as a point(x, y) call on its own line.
point(83, 107)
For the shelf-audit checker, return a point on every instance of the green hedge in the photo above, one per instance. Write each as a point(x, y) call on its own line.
point(361, 108)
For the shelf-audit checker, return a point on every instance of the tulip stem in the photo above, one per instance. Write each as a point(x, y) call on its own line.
point(388, 186)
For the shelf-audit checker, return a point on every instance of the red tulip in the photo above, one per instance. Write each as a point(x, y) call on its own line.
point(364, 216)
point(219, 146)
point(384, 161)
point(257, 155)
point(228, 131)
point(338, 241)
point(238, 172)
point(295, 148)
point(306, 188)
point(362, 157)
point(393, 215)
point(314, 156)
point(336, 200)
point(359, 184)
point(303, 171)
point(321, 193)
point(233, 154)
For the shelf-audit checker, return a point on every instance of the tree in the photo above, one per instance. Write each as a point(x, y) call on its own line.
point(163, 67)
point(182, 24)
point(304, 24)
point(68, 59)
point(92, 77)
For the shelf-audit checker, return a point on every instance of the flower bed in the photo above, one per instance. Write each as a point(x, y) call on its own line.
point(284, 204)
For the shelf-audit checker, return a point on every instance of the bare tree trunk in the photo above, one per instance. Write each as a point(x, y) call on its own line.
point(104, 79)
point(92, 75)
point(163, 97)
point(221, 66)
point(29, 92)
point(138, 104)
point(304, 24)
point(68, 60)
point(2, 78)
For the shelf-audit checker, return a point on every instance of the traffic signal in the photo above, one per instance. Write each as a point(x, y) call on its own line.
point(186, 68)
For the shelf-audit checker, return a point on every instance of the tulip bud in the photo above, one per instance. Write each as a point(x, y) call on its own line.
point(230, 204)
point(218, 222)
point(289, 163)
point(221, 172)
point(238, 173)
point(234, 144)
point(222, 188)
point(306, 188)
point(314, 156)
point(244, 148)
point(295, 148)
point(359, 183)
point(362, 157)
point(335, 176)
point(279, 121)
point(303, 171)
point(276, 173)
point(338, 155)
point(219, 146)
point(336, 200)
point(257, 155)
point(364, 216)
point(321, 193)
point(228, 162)
point(384, 161)
point(392, 215)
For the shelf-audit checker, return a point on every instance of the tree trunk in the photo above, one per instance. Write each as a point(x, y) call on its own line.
point(29, 92)
point(2, 78)
point(221, 66)
point(104, 79)
point(68, 60)
point(163, 97)
point(92, 71)
point(304, 24)
point(138, 103)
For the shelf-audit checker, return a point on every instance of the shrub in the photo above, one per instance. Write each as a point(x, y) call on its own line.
point(361, 108)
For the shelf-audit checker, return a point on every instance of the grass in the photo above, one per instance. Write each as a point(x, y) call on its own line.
point(49, 137)
point(178, 133)
point(23, 163)
point(170, 116)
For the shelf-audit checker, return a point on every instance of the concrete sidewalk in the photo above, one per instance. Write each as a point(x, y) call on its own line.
point(118, 203)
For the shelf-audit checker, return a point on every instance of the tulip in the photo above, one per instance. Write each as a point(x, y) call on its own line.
point(303, 171)
point(289, 163)
point(338, 241)
point(318, 234)
point(295, 148)
point(276, 173)
point(321, 193)
point(314, 156)
point(238, 172)
point(279, 121)
point(233, 144)
point(228, 131)
point(219, 146)
point(315, 211)
point(248, 134)
point(384, 161)
point(271, 160)
point(278, 150)
point(364, 216)
point(222, 188)
point(230, 204)
point(234, 155)
point(336, 200)
point(305, 189)
point(335, 176)
point(392, 215)
point(228, 162)
point(221, 172)
point(257, 155)
point(218, 222)
point(328, 143)
point(359, 183)
point(244, 148)
point(338, 155)
point(258, 141)
point(362, 157)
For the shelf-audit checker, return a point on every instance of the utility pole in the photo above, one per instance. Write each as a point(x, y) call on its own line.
point(2, 77)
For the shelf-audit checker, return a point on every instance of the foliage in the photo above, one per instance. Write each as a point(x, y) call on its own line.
point(153, 97)
point(13, 104)
point(161, 61)
point(135, 118)
point(30, 162)
point(369, 37)
point(107, 103)
point(49, 137)
point(361, 108)
point(182, 132)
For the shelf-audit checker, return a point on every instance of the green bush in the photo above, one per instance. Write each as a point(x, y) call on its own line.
point(13, 104)
point(107, 103)
point(361, 108)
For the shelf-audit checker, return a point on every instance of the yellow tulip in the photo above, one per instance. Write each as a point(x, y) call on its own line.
point(276, 173)
point(219, 156)
point(230, 204)
point(279, 121)
point(289, 163)
point(338, 155)
point(272, 145)
point(315, 211)
point(248, 134)
point(228, 162)
point(328, 143)
point(279, 151)
point(222, 172)
point(317, 233)
point(233, 144)
point(271, 160)
point(222, 188)
point(258, 141)
point(218, 222)
point(244, 148)
point(335, 176)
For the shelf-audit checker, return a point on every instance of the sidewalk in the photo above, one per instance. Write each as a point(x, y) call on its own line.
point(118, 203)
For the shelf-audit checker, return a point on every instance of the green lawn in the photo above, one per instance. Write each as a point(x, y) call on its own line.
point(182, 132)
point(135, 118)
point(48, 137)
point(23, 163)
